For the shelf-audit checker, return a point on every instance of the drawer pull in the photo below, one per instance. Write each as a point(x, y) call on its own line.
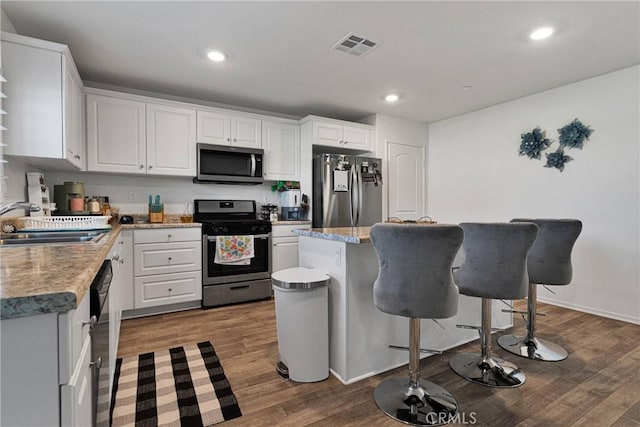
point(170, 289)
point(168, 236)
point(121, 261)
point(169, 258)
point(233, 288)
point(115, 257)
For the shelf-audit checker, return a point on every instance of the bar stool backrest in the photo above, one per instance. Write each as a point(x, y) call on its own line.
point(415, 262)
point(495, 260)
point(549, 261)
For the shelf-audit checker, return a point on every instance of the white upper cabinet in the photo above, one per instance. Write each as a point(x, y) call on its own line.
point(281, 144)
point(223, 129)
point(340, 134)
point(43, 103)
point(131, 136)
point(214, 128)
point(116, 135)
point(171, 140)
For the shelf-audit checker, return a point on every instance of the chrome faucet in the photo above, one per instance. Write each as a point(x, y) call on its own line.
point(29, 207)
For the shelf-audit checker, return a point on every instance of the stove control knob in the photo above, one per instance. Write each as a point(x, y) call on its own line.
point(225, 229)
point(255, 228)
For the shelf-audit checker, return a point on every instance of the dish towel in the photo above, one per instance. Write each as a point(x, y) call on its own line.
point(234, 250)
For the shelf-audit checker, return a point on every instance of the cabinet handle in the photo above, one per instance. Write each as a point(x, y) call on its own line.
point(121, 261)
point(76, 156)
point(115, 257)
point(170, 289)
point(234, 140)
point(121, 242)
point(150, 167)
point(168, 236)
point(141, 166)
point(228, 139)
point(91, 322)
point(169, 258)
point(97, 364)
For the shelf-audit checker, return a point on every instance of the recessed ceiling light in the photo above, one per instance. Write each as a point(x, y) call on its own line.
point(541, 33)
point(392, 97)
point(216, 56)
point(467, 87)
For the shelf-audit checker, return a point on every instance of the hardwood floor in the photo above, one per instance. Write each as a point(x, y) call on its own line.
point(598, 385)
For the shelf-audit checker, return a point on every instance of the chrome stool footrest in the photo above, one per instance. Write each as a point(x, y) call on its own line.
point(422, 350)
point(490, 372)
point(427, 404)
point(534, 349)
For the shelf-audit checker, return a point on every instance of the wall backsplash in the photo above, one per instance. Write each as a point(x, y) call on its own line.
point(174, 191)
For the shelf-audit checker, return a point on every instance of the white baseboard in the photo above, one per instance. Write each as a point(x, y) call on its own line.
point(591, 310)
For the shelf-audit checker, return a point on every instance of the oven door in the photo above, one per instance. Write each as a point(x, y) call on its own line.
point(259, 268)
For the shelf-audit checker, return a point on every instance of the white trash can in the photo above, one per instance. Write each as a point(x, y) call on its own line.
point(302, 321)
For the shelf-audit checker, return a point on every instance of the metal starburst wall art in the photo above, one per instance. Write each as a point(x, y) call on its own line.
point(532, 143)
point(572, 135)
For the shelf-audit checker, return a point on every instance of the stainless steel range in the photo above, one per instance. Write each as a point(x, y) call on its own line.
point(226, 283)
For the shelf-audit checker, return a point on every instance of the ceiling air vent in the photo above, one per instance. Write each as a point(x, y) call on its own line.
point(355, 45)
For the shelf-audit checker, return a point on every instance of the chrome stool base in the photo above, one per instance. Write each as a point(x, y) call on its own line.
point(534, 349)
point(425, 405)
point(492, 372)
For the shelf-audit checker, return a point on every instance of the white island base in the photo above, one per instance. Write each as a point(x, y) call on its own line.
point(359, 334)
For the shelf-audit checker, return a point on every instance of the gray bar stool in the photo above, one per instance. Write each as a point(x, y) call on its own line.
point(494, 267)
point(415, 281)
point(549, 263)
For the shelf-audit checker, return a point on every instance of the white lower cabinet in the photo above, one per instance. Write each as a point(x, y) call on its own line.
point(75, 396)
point(167, 266)
point(284, 246)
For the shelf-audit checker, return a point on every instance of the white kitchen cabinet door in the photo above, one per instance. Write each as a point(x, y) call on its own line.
point(284, 254)
point(163, 258)
point(405, 184)
point(357, 138)
point(165, 289)
point(116, 140)
point(246, 132)
point(213, 128)
point(73, 117)
point(125, 269)
point(171, 140)
point(328, 134)
point(281, 144)
point(76, 396)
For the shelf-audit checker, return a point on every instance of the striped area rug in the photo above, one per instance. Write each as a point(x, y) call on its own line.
point(182, 386)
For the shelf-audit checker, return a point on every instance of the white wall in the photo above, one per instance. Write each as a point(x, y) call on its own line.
point(475, 174)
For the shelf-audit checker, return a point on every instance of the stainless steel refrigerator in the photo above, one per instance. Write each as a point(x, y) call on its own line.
point(347, 190)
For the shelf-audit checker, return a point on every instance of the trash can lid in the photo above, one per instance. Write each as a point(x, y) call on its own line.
point(299, 278)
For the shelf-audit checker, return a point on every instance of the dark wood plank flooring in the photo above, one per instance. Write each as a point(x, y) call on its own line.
point(598, 385)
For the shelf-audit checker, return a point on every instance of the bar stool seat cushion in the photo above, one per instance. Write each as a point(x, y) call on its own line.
point(495, 260)
point(549, 261)
point(416, 282)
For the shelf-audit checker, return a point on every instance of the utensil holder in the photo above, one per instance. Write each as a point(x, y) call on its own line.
point(156, 213)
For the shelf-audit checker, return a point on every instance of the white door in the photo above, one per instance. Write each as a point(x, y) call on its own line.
point(284, 254)
point(246, 132)
point(328, 134)
point(171, 140)
point(406, 181)
point(213, 128)
point(281, 144)
point(115, 135)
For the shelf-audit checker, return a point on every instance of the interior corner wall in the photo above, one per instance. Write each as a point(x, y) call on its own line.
point(475, 174)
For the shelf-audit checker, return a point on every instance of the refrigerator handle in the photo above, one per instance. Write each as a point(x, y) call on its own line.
point(360, 193)
point(353, 184)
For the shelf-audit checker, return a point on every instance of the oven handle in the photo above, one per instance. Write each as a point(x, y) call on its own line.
point(257, 236)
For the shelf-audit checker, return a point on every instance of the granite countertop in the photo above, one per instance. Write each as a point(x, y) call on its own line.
point(340, 234)
point(52, 278)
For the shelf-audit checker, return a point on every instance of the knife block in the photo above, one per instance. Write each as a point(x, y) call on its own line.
point(156, 213)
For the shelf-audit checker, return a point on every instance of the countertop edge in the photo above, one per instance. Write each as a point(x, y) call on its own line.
point(332, 236)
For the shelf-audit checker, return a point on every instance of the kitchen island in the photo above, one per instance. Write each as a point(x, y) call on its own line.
point(359, 334)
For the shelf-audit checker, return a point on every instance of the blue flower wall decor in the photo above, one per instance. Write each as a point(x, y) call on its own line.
point(557, 159)
point(574, 134)
point(532, 143)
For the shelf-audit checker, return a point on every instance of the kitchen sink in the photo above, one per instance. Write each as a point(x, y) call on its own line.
point(39, 238)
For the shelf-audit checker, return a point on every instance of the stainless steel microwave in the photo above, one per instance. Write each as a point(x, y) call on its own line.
point(226, 164)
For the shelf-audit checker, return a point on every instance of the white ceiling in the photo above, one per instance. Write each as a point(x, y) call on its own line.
point(280, 58)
